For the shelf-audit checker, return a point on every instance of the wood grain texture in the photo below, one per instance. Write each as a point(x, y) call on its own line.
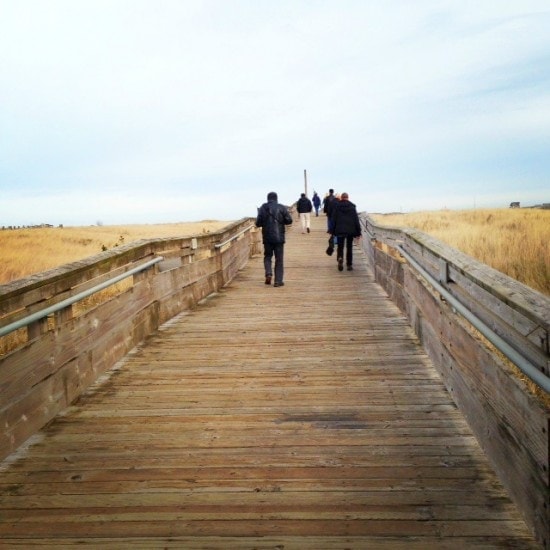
point(511, 422)
point(306, 417)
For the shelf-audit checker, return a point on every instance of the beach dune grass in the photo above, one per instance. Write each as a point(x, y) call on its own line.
point(25, 252)
point(515, 241)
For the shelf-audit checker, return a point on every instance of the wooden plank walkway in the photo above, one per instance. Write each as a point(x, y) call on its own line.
point(303, 417)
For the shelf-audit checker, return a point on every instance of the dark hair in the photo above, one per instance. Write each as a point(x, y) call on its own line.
point(272, 196)
point(303, 195)
point(331, 191)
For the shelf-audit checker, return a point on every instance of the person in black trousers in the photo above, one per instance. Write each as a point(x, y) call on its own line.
point(346, 227)
point(272, 218)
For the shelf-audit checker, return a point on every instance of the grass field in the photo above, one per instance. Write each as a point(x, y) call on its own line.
point(515, 241)
point(28, 251)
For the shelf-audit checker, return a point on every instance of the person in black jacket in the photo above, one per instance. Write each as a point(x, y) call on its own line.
point(272, 218)
point(346, 227)
point(304, 208)
point(328, 206)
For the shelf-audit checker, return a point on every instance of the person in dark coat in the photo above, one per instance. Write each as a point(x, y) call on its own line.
point(316, 200)
point(304, 208)
point(346, 227)
point(272, 218)
point(328, 206)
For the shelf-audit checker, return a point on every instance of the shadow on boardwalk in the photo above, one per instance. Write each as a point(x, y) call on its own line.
point(302, 417)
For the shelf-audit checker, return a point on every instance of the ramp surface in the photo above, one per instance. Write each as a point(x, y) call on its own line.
point(305, 417)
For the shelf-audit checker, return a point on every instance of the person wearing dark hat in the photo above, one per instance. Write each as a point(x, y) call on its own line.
point(272, 218)
point(346, 227)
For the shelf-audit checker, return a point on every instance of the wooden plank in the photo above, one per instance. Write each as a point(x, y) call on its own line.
point(310, 542)
point(306, 416)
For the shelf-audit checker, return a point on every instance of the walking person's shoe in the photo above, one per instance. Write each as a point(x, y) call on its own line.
point(308, 229)
point(279, 284)
point(268, 279)
point(340, 264)
point(350, 268)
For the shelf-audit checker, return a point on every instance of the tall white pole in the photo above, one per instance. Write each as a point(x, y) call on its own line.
point(305, 182)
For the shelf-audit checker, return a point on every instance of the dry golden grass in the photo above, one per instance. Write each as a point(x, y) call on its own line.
point(28, 251)
point(513, 241)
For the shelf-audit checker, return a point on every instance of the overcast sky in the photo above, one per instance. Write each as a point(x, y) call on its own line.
point(151, 111)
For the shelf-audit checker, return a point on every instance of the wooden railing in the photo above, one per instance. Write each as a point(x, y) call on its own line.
point(60, 346)
point(461, 311)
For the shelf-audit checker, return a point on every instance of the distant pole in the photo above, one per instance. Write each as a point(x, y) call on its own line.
point(305, 182)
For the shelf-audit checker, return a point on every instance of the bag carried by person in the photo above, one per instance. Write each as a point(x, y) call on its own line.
point(330, 248)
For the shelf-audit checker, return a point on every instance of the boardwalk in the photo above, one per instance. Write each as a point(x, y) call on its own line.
point(303, 417)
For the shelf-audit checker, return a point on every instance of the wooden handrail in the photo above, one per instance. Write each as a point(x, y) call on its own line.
point(69, 343)
point(432, 282)
point(517, 314)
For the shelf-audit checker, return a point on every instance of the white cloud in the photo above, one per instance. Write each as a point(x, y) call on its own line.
point(145, 98)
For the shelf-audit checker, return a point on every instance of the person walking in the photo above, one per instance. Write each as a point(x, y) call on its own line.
point(346, 227)
point(328, 203)
point(304, 208)
point(272, 218)
point(316, 200)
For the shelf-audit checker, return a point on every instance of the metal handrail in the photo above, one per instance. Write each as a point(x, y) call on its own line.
point(521, 362)
point(80, 296)
point(232, 238)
